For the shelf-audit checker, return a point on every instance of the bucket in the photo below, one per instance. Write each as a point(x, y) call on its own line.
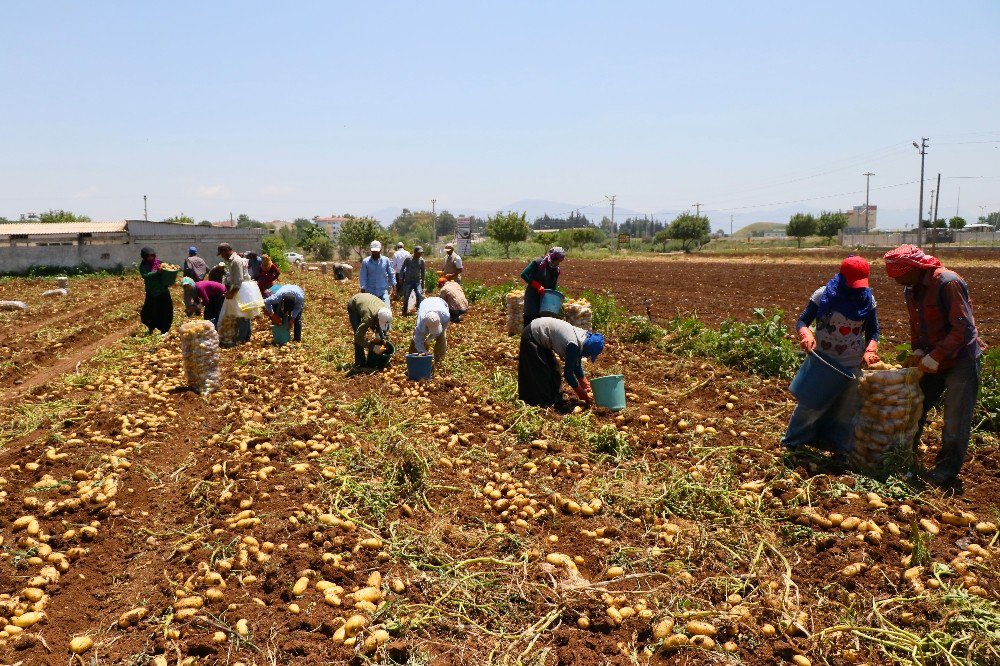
point(281, 335)
point(419, 366)
point(379, 361)
point(819, 381)
point(609, 391)
point(551, 304)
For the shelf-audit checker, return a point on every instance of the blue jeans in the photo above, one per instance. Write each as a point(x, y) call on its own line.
point(830, 428)
point(959, 387)
point(410, 286)
point(384, 296)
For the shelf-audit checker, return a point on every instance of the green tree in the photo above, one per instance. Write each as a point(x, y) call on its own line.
point(800, 226)
point(507, 229)
point(662, 237)
point(689, 228)
point(180, 219)
point(274, 247)
point(547, 238)
point(204, 223)
point(446, 224)
point(830, 224)
point(993, 219)
point(957, 222)
point(412, 226)
point(321, 246)
point(288, 236)
point(62, 216)
point(244, 221)
point(580, 236)
point(357, 234)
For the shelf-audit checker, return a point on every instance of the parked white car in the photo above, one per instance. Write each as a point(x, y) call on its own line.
point(294, 257)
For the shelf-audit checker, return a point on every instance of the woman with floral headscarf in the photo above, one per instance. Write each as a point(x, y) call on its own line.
point(846, 336)
point(158, 309)
point(539, 275)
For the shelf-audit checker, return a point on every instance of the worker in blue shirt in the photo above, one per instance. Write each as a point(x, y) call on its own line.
point(376, 274)
point(285, 306)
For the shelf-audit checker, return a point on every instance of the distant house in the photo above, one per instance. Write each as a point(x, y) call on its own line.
point(110, 245)
point(978, 227)
point(330, 224)
point(224, 224)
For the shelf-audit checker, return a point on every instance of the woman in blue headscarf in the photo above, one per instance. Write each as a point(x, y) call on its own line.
point(538, 379)
point(844, 312)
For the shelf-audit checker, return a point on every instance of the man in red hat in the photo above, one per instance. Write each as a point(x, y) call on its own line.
point(945, 345)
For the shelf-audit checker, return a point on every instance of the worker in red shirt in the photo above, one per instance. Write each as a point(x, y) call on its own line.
point(945, 345)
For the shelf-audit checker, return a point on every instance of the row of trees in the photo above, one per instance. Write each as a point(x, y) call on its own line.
point(827, 225)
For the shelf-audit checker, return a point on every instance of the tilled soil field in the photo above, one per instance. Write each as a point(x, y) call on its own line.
point(302, 515)
point(718, 288)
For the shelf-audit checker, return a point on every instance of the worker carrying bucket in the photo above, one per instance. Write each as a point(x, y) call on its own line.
point(538, 379)
point(826, 385)
point(542, 277)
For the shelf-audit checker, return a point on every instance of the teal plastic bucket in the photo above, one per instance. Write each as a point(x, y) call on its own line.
point(609, 391)
point(820, 381)
point(552, 302)
point(281, 335)
point(419, 366)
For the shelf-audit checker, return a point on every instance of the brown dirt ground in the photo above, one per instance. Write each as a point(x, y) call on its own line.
point(186, 474)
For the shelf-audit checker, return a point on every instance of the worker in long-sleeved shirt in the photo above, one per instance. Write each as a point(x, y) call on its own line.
point(545, 338)
point(376, 274)
point(398, 257)
point(539, 275)
point(945, 345)
point(367, 312)
point(411, 276)
point(432, 324)
point(237, 272)
point(285, 306)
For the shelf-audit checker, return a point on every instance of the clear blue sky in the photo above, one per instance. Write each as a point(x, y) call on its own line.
point(294, 109)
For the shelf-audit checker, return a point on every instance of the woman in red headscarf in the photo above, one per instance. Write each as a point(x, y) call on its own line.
point(844, 311)
point(945, 345)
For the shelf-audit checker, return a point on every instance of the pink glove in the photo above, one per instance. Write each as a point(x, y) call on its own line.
point(871, 353)
point(806, 339)
point(928, 364)
point(582, 392)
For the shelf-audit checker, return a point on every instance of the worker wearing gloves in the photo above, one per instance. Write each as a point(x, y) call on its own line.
point(945, 345)
point(432, 324)
point(846, 336)
point(539, 275)
point(452, 268)
point(284, 308)
point(376, 274)
point(538, 380)
point(367, 312)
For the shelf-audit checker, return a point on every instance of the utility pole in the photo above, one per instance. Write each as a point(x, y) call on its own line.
point(614, 229)
point(920, 207)
point(730, 226)
point(958, 201)
point(145, 209)
point(434, 225)
point(937, 202)
point(697, 209)
point(868, 180)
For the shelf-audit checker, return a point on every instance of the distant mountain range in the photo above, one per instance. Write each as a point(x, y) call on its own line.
point(720, 220)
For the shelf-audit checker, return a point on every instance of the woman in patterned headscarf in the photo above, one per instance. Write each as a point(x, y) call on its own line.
point(539, 275)
point(158, 309)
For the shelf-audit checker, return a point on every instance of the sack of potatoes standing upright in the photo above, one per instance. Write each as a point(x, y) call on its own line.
point(891, 404)
point(514, 306)
point(200, 352)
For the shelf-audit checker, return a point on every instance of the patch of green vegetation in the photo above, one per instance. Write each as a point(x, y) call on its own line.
point(611, 442)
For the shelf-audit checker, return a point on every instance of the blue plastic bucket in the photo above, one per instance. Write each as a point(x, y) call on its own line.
point(820, 381)
point(419, 366)
point(281, 334)
point(609, 391)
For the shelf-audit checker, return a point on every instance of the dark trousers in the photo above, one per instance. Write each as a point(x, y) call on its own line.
point(538, 378)
point(958, 386)
point(359, 351)
point(157, 312)
point(214, 307)
point(297, 329)
point(532, 305)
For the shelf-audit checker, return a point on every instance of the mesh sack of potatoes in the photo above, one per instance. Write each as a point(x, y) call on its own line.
point(515, 312)
point(577, 312)
point(891, 404)
point(200, 353)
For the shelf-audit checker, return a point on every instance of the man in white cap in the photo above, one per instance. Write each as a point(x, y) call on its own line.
point(367, 313)
point(398, 257)
point(452, 268)
point(376, 273)
point(432, 324)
